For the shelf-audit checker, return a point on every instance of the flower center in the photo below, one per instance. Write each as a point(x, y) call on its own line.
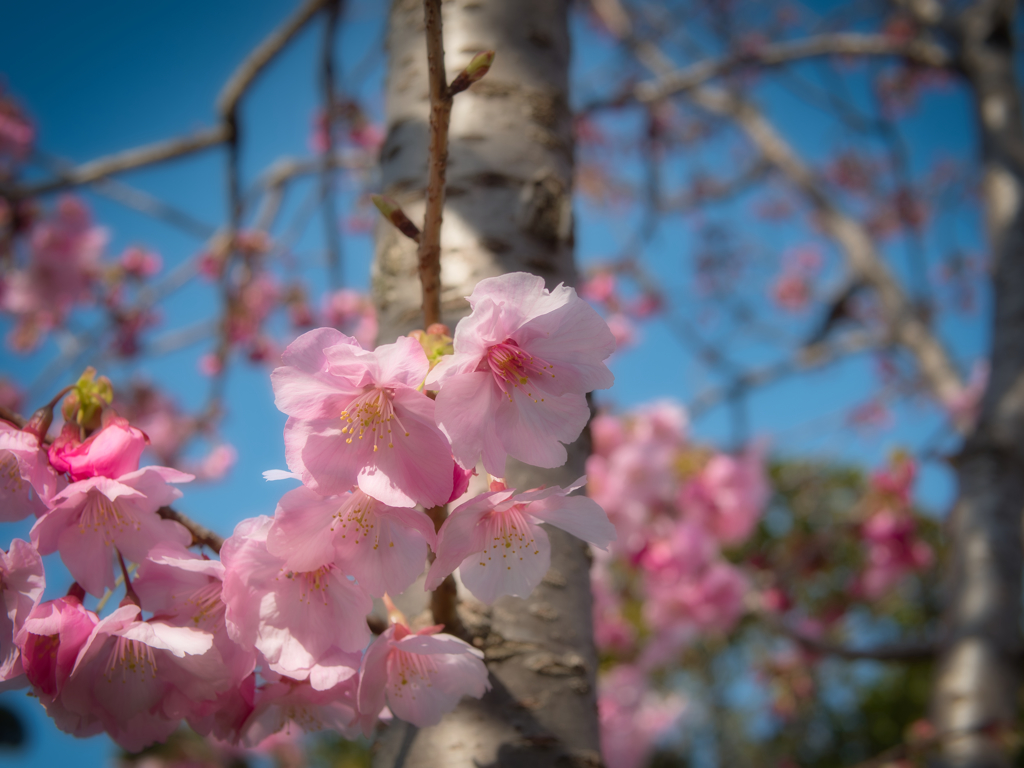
point(512, 365)
point(407, 667)
point(102, 514)
point(358, 518)
point(371, 415)
point(10, 472)
point(130, 656)
point(311, 582)
point(509, 535)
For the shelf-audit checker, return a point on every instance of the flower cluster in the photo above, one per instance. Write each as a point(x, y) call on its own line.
point(675, 506)
point(273, 635)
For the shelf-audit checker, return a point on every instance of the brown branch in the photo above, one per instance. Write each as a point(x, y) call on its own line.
point(126, 160)
point(839, 44)
point(201, 535)
point(903, 652)
point(440, 112)
point(445, 599)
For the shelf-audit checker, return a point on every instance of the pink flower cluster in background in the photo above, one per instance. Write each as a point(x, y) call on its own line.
point(273, 634)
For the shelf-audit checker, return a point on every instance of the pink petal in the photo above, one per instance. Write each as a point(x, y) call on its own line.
point(465, 410)
point(403, 363)
point(373, 677)
point(508, 570)
point(533, 429)
point(461, 535)
point(418, 468)
point(301, 533)
point(582, 517)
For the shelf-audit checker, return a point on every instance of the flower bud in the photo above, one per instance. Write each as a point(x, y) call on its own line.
point(478, 66)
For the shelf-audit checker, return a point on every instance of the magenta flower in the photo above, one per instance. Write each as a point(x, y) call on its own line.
point(524, 361)
point(384, 548)
point(91, 517)
point(22, 582)
point(308, 624)
point(54, 636)
point(422, 675)
point(111, 452)
point(496, 541)
point(358, 419)
point(24, 470)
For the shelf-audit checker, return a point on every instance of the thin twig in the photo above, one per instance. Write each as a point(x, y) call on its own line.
point(335, 271)
point(440, 112)
point(839, 44)
point(263, 54)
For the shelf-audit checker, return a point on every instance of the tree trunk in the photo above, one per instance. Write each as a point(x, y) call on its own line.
point(509, 209)
point(976, 691)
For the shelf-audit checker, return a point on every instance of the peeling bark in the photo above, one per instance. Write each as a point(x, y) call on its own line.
point(509, 208)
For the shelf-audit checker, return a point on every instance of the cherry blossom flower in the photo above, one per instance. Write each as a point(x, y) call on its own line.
point(91, 517)
point(128, 670)
point(185, 589)
point(54, 635)
point(498, 545)
point(309, 624)
point(633, 717)
point(524, 360)
point(284, 703)
point(110, 452)
point(893, 551)
point(422, 675)
point(21, 586)
point(384, 548)
point(27, 482)
point(358, 419)
point(728, 495)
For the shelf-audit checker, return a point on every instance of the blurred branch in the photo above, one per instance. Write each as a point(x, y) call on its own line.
point(126, 160)
point(335, 270)
point(263, 54)
point(806, 358)
point(776, 54)
point(896, 652)
point(866, 263)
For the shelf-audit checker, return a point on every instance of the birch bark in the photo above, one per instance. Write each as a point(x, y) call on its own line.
point(509, 208)
point(977, 683)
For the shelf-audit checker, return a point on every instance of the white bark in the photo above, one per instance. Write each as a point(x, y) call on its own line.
point(977, 683)
point(508, 209)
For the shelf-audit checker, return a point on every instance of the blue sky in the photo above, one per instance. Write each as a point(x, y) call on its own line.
point(99, 77)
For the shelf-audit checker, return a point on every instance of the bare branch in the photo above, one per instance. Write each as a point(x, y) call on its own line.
point(335, 269)
point(840, 44)
point(806, 358)
point(866, 263)
point(263, 54)
point(129, 159)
